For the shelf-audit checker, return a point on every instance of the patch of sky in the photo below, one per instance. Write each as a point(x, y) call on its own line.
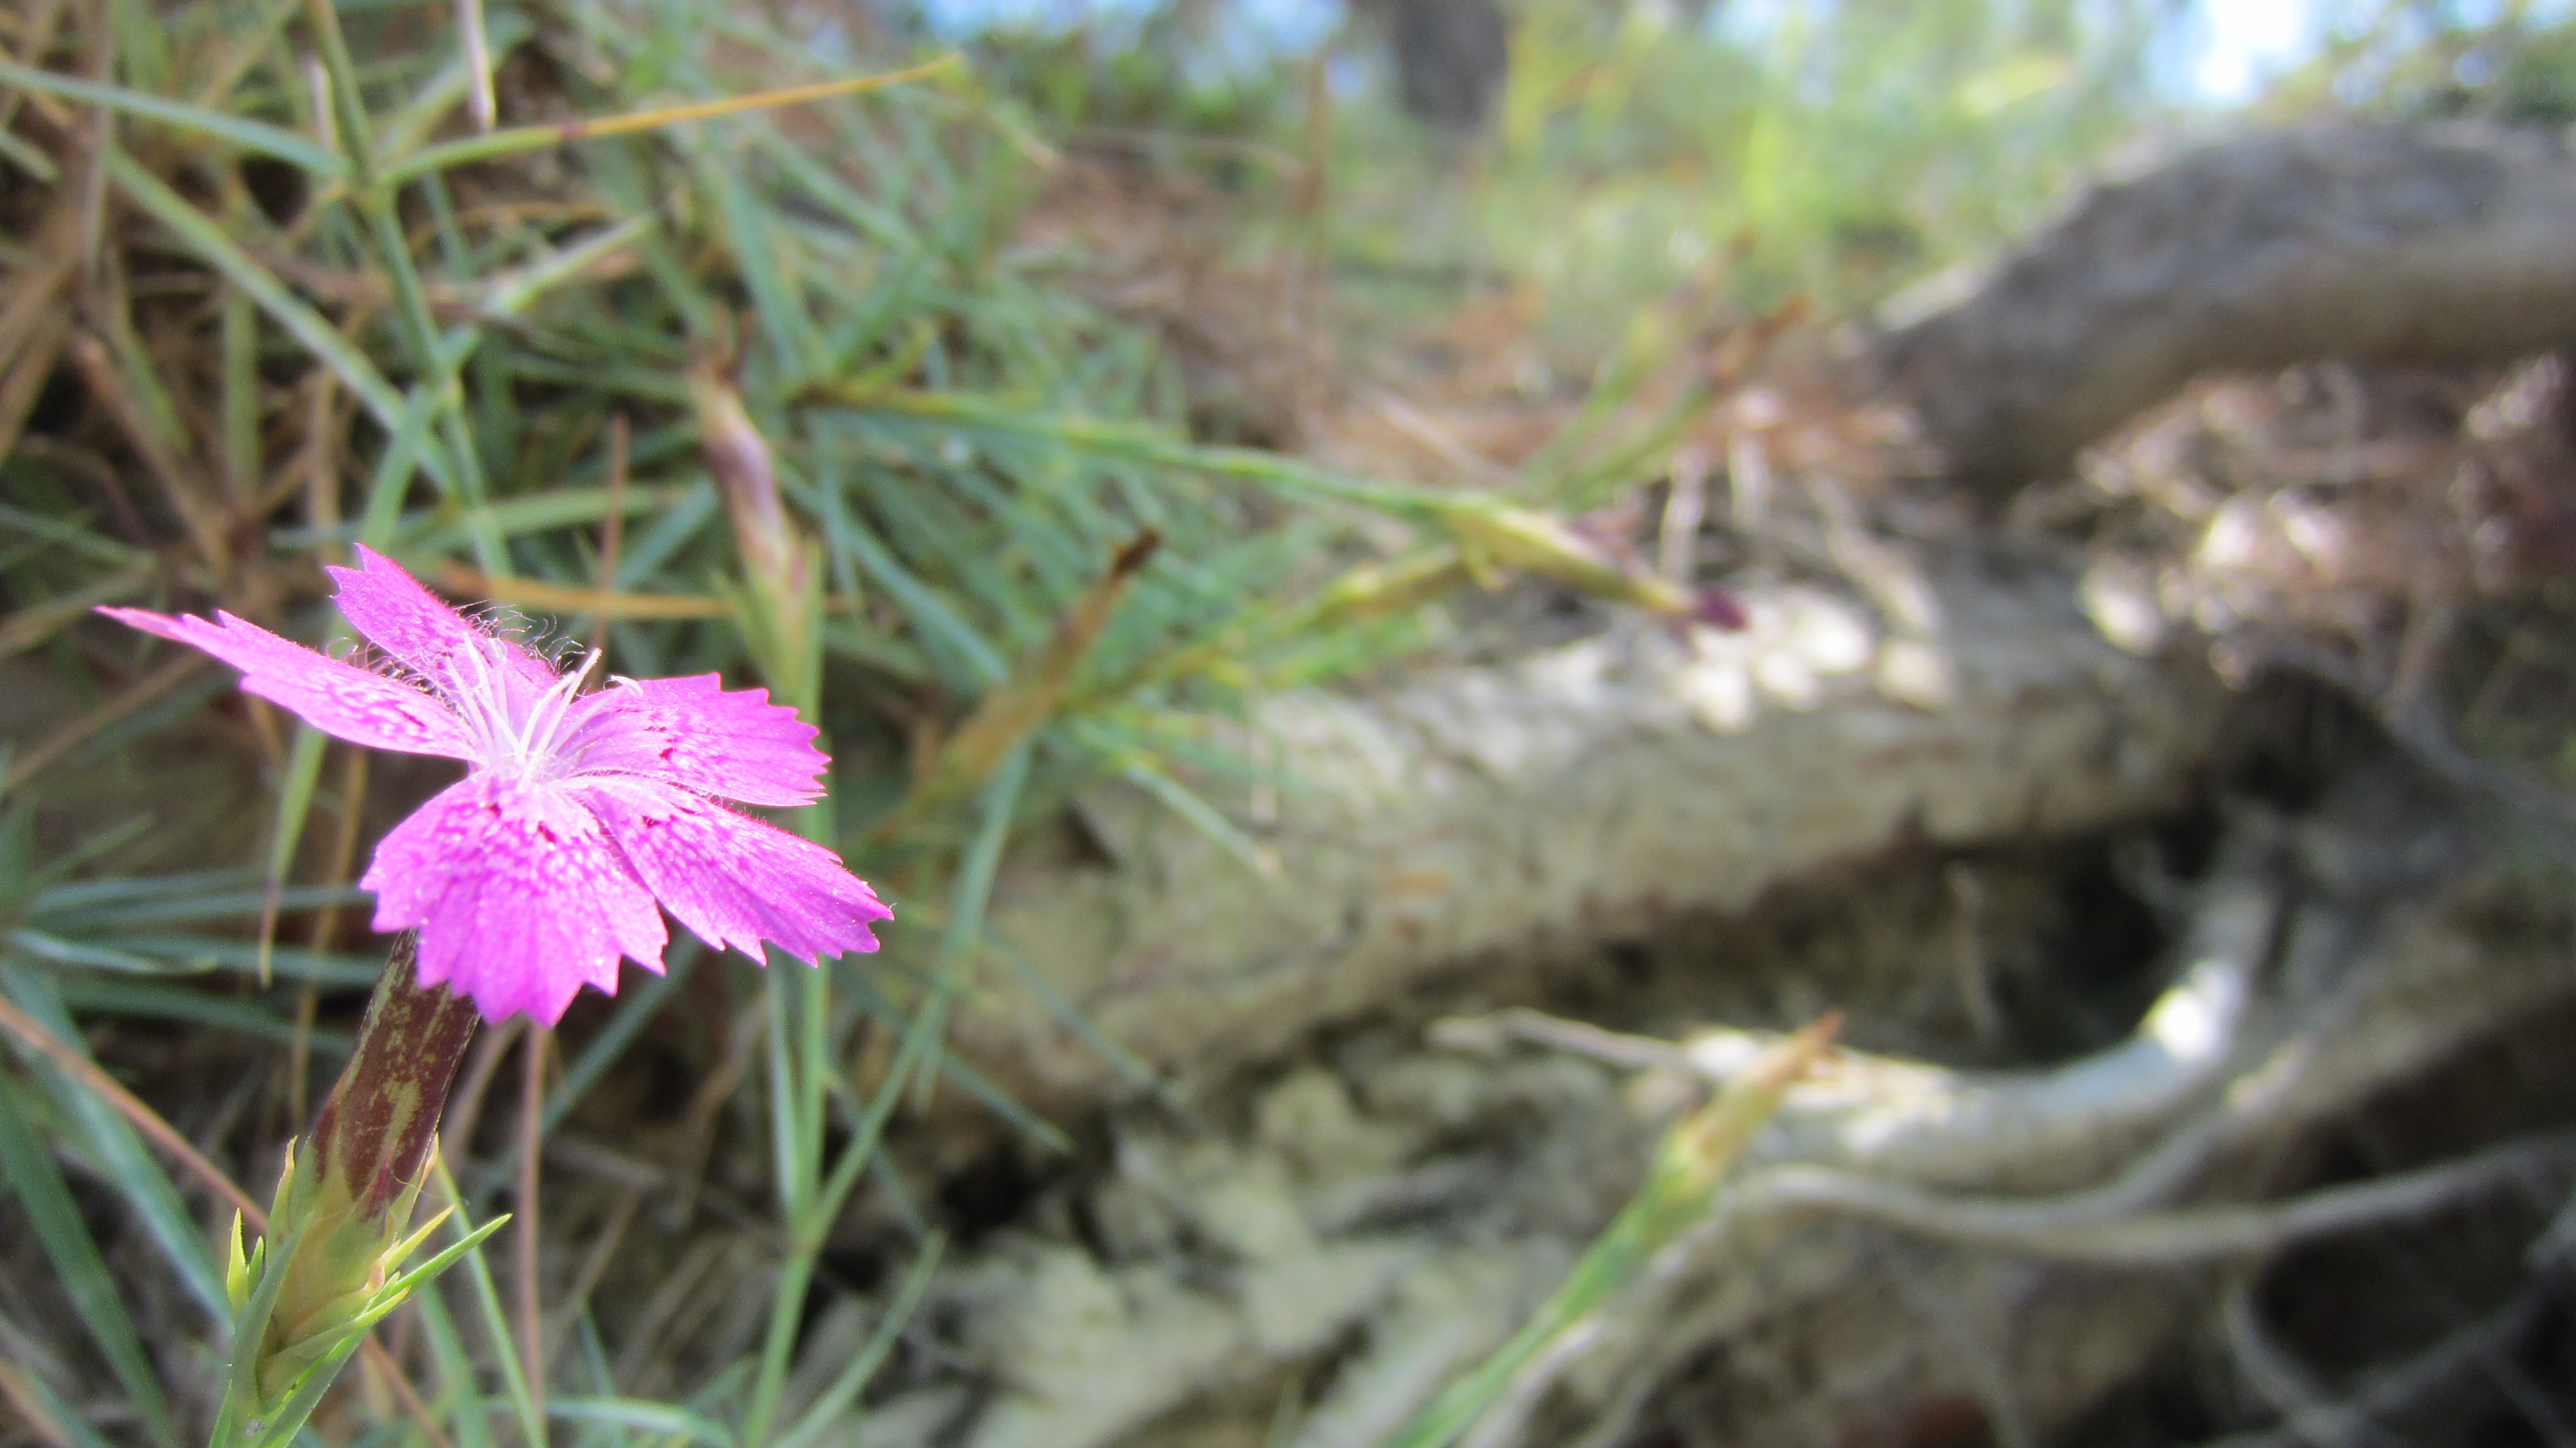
point(2232, 49)
point(1252, 28)
point(2216, 53)
point(2226, 51)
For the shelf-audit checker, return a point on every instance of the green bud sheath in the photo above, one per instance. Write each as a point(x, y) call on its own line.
point(343, 1211)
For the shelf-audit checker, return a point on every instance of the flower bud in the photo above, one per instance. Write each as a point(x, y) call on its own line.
point(337, 1231)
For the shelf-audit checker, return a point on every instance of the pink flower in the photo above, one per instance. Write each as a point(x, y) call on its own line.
point(529, 877)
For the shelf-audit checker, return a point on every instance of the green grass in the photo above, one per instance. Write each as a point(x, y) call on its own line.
point(315, 308)
point(296, 302)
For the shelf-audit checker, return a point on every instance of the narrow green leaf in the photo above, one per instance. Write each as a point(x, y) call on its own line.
point(512, 294)
point(973, 891)
point(56, 1218)
point(1181, 800)
point(975, 1083)
point(941, 626)
point(180, 898)
point(259, 136)
point(1052, 999)
point(403, 454)
point(677, 1423)
point(395, 1293)
point(189, 1006)
point(286, 831)
point(28, 159)
point(72, 952)
point(62, 1414)
point(403, 131)
point(520, 139)
point(138, 1174)
point(468, 1412)
point(846, 1386)
point(82, 540)
point(207, 239)
point(775, 297)
point(496, 1319)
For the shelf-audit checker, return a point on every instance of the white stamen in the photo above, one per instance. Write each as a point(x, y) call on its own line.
point(481, 702)
point(546, 721)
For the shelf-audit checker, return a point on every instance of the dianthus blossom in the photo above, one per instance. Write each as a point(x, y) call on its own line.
point(530, 877)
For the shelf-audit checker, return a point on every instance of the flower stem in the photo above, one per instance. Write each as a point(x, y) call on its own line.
point(376, 1127)
point(331, 1261)
point(532, 1100)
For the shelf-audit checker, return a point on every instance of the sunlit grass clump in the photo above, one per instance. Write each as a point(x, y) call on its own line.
point(676, 346)
point(680, 343)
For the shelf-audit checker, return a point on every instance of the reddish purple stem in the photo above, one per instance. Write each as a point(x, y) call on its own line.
point(375, 1131)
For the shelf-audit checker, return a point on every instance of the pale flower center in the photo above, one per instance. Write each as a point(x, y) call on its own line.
point(512, 734)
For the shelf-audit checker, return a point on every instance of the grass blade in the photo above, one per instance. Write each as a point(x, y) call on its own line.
point(853, 1379)
point(146, 1187)
point(286, 831)
point(520, 139)
point(56, 1218)
point(258, 136)
point(207, 239)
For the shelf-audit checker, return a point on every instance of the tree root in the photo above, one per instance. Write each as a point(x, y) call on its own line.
point(2366, 243)
point(1368, 1232)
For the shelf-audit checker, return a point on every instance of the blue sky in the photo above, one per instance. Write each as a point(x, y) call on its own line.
point(2242, 42)
point(2230, 48)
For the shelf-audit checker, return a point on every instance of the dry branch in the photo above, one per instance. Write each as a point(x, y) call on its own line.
point(1583, 793)
point(2424, 244)
point(2333, 956)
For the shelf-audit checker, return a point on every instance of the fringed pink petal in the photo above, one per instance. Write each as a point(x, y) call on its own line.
point(692, 733)
point(339, 699)
point(734, 881)
point(424, 635)
point(519, 896)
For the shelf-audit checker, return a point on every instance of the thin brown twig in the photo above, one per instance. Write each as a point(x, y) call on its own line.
point(100, 65)
point(20, 1391)
point(25, 379)
point(612, 529)
point(204, 523)
point(603, 1251)
point(35, 37)
point(38, 622)
point(126, 701)
point(146, 1120)
point(465, 1105)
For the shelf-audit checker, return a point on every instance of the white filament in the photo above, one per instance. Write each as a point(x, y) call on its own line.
point(521, 747)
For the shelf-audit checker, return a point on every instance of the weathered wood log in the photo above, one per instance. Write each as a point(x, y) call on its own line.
point(1575, 795)
point(1910, 1241)
point(2368, 243)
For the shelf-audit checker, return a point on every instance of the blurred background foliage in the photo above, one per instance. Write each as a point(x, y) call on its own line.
point(280, 278)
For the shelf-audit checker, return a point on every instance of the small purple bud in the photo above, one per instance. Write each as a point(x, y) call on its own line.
point(1718, 608)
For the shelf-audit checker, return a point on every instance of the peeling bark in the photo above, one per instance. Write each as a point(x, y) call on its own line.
point(1589, 791)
